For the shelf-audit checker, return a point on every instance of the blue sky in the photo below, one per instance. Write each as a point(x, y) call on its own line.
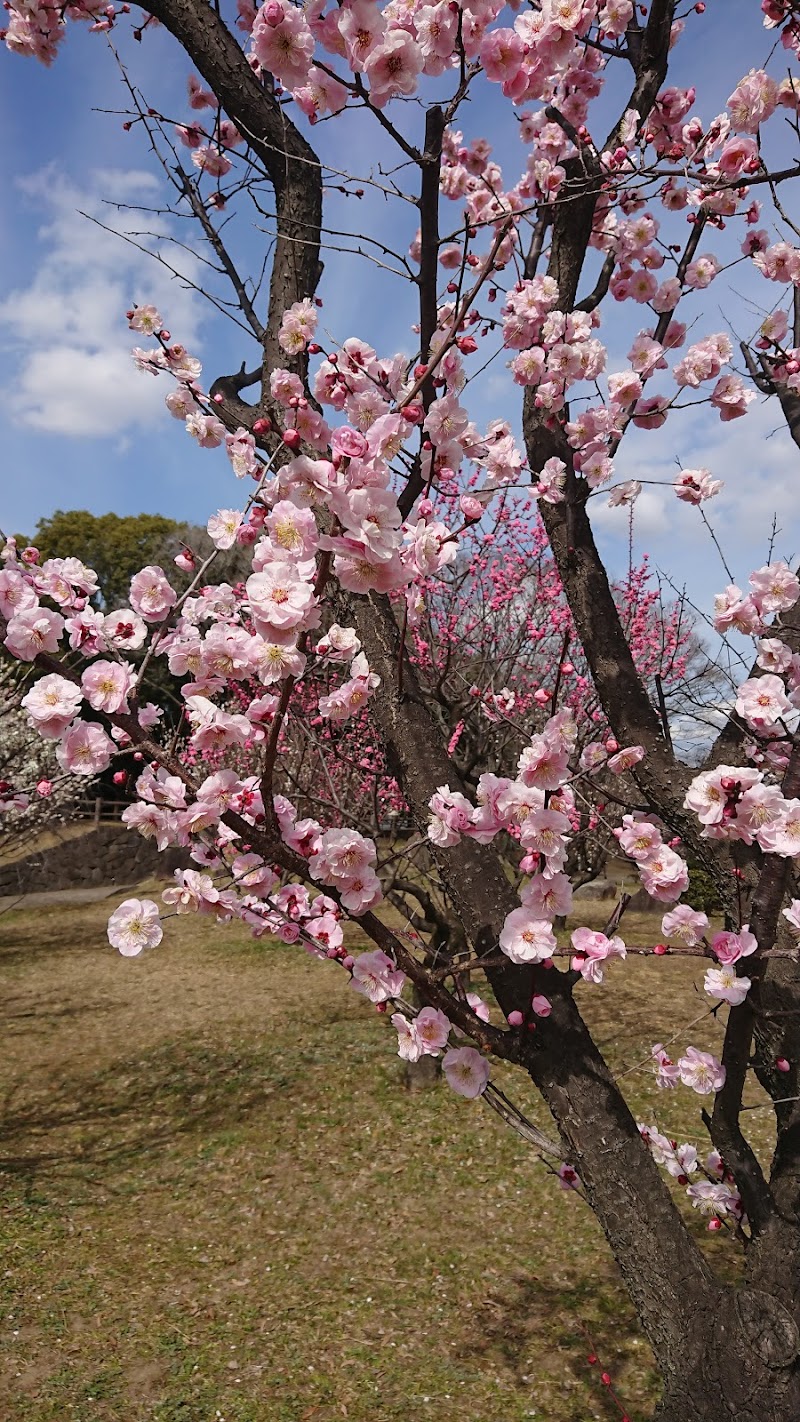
point(84, 429)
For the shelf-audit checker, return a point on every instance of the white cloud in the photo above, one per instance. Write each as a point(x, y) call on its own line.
point(650, 514)
point(69, 390)
point(66, 329)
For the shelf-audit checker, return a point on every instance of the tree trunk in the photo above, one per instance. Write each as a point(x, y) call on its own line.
point(746, 1369)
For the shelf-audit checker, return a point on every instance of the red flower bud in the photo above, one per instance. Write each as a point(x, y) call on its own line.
point(292, 439)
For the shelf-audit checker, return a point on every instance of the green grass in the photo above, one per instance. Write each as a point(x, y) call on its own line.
point(220, 1202)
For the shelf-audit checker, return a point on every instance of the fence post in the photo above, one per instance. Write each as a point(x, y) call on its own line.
point(98, 804)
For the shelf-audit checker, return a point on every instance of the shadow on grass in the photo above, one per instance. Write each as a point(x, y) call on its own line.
point(136, 1107)
point(589, 1316)
point(29, 936)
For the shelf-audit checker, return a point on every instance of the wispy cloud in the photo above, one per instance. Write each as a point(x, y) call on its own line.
point(66, 330)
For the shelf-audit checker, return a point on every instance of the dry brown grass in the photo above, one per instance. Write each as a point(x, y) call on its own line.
point(220, 1202)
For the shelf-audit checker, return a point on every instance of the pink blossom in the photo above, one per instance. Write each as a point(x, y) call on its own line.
point(478, 1006)
point(638, 838)
point(279, 598)
point(665, 875)
point(298, 325)
point(192, 893)
point(360, 892)
point(625, 759)
point(107, 685)
point(146, 319)
point(782, 835)
point(754, 100)
point(543, 764)
point(546, 896)
point(211, 159)
point(33, 630)
point(283, 43)
point(692, 486)
point(51, 704)
point(17, 593)
point(341, 854)
point(713, 795)
point(199, 98)
point(135, 925)
point(124, 629)
point(432, 1030)
point(568, 1177)
point(762, 701)
point(780, 262)
point(667, 1073)
point(223, 527)
point(731, 398)
point(393, 67)
point(206, 429)
point(715, 1199)
point(684, 925)
point(543, 832)
point(377, 977)
point(451, 817)
point(725, 986)
point(592, 950)
point(701, 1071)
point(774, 655)
point(85, 749)
point(776, 587)
point(151, 594)
point(733, 610)
point(527, 939)
point(467, 1072)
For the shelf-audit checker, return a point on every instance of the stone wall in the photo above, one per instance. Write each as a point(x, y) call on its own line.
point(110, 854)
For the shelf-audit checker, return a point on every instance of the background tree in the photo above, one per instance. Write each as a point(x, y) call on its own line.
point(37, 796)
point(115, 546)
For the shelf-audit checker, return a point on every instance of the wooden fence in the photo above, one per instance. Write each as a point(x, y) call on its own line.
point(98, 810)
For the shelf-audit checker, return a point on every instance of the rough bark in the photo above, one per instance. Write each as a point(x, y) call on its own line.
point(747, 1370)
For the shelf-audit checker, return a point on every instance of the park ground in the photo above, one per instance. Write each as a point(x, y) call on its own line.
point(219, 1202)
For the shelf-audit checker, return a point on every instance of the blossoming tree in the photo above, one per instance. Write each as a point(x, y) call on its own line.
point(367, 474)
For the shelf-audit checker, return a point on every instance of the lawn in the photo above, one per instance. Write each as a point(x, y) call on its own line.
point(220, 1203)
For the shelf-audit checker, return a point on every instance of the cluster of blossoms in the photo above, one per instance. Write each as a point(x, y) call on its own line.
point(699, 1070)
point(712, 1190)
point(775, 589)
point(538, 811)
